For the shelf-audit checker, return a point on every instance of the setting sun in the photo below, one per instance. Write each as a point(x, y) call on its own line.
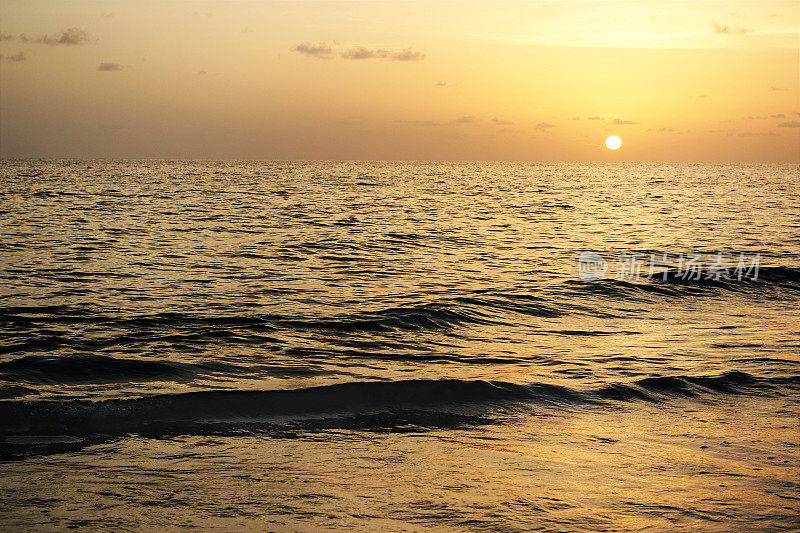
point(613, 142)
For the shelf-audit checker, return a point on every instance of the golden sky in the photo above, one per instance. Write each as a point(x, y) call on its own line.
point(549, 81)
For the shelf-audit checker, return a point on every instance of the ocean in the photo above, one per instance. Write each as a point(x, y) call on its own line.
point(399, 346)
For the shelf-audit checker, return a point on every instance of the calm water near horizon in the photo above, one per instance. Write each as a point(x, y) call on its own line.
point(397, 345)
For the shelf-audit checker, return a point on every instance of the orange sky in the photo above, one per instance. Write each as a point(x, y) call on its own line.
point(678, 81)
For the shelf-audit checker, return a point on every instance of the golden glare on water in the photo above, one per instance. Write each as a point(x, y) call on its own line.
point(613, 142)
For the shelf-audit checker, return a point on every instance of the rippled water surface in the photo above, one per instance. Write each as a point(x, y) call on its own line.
point(305, 345)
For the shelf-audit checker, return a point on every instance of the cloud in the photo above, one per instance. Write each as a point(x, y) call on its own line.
point(466, 119)
point(500, 122)
point(790, 124)
point(407, 55)
point(765, 117)
point(109, 67)
point(723, 29)
point(19, 56)
point(324, 51)
point(625, 122)
point(321, 51)
point(68, 36)
point(759, 134)
point(719, 28)
point(441, 83)
point(773, 88)
point(544, 126)
point(508, 130)
point(201, 72)
point(359, 52)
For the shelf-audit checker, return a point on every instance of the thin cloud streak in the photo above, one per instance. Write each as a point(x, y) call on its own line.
point(359, 52)
point(70, 36)
point(324, 51)
point(466, 119)
point(723, 29)
point(759, 134)
point(109, 67)
point(19, 56)
point(320, 51)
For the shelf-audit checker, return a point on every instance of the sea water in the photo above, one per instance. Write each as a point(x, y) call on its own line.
point(399, 345)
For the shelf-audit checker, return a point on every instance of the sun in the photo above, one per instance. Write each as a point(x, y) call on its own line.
point(613, 142)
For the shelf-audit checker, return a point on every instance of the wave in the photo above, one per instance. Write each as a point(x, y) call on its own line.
point(654, 389)
point(474, 307)
point(89, 329)
point(675, 284)
point(423, 403)
point(71, 369)
point(190, 329)
point(429, 316)
point(781, 276)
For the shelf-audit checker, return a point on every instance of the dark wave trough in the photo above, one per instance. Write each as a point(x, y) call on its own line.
point(396, 403)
